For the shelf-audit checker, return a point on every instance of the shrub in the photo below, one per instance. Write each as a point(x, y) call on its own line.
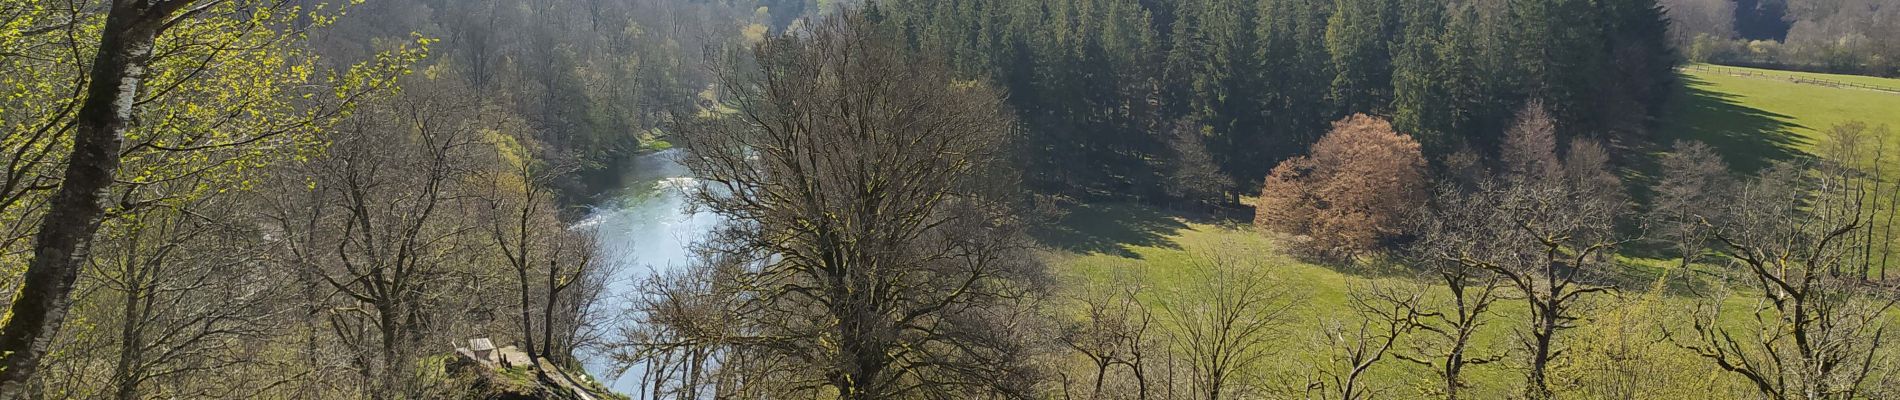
point(1354, 190)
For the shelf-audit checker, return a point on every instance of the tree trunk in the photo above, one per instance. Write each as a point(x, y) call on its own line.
point(393, 371)
point(1452, 366)
point(65, 235)
point(863, 351)
point(1101, 375)
point(131, 350)
point(1141, 380)
point(527, 317)
point(547, 312)
point(1540, 356)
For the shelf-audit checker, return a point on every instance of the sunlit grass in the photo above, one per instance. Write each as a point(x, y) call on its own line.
point(1164, 266)
point(1753, 119)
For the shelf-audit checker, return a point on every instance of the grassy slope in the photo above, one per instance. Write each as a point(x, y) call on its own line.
point(1752, 120)
point(1158, 252)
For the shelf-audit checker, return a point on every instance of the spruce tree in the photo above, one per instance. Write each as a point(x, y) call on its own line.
point(1358, 36)
point(1419, 99)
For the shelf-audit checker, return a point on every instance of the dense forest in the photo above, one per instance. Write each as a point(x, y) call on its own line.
point(391, 199)
point(1851, 36)
point(1136, 99)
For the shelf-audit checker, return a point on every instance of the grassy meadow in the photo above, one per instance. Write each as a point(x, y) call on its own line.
point(1159, 252)
point(1754, 119)
point(1751, 120)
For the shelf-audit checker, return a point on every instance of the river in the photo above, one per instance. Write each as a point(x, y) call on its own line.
point(647, 227)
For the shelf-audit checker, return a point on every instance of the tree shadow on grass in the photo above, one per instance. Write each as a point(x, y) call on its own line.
point(1748, 138)
point(1109, 229)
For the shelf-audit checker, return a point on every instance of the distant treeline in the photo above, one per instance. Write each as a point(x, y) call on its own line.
point(1123, 98)
point(592, 79)
point(1836, 36)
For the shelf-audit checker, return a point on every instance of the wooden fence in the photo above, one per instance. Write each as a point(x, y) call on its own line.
point(1805, 80)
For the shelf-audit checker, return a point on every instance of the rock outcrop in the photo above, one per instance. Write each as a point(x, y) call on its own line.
point(483, 371)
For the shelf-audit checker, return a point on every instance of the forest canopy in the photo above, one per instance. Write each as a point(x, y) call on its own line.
point(1096, 80)
point(940, 199)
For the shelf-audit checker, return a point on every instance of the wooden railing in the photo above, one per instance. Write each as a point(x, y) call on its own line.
point(1805, 80)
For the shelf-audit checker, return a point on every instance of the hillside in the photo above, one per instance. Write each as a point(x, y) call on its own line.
point(1137, 246)
point(1754, 115)
point(944, 200)
point(1751, 116)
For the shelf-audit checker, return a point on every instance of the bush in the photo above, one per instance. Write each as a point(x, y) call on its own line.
point(1354, 190)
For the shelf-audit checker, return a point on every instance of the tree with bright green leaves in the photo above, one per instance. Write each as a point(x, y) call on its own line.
point(135, 94)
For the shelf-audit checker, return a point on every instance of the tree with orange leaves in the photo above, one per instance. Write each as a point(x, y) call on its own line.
point(1352, 191)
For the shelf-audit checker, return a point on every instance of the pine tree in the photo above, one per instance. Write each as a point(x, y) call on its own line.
point(1215, 60)
point(1358, 36)
point(1641, 64)
point(1419, 99)
point(1296, 65)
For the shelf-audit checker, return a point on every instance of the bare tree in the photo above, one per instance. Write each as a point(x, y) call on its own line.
point(1447, 328)
point(1548, 229)
point(547, 258)
point(376, 219)
point(174, 297)
point(1385, 316)
point(1192, 175)
point(194, 285)
point(1117, 331)
point(572, 289)
point(870, 215)
point(1816, 332)
point(1852, 161)
point(1225, 321)
point(686, 337)
point(1692, 177)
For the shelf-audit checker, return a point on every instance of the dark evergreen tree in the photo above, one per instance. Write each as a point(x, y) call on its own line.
point(1298, 67)
point(1420, 102)
point(1217, 61)
point(1094, 79)
point(1358, 37)
point(1641, 70)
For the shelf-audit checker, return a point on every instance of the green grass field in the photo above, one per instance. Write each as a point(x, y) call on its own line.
point(1757, 119)
point(1752, 120)
point(1160, 252)
point(1879, 82)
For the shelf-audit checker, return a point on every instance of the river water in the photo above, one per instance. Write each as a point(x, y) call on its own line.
point(647, 227)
